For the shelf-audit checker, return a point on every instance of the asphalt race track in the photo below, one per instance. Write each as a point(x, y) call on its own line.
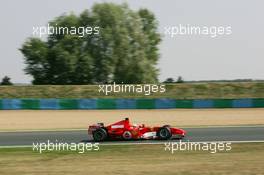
point(193, 134)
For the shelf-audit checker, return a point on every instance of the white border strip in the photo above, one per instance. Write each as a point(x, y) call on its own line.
point(16, 146)
point(161, 143)
point(146, 143)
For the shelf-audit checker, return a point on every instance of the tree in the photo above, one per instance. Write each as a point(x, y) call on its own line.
point(6, 81)
point(180, 80)
point(169, 80)
point(124, 51)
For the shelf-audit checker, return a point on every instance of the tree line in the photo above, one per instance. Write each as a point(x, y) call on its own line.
point(125, 51)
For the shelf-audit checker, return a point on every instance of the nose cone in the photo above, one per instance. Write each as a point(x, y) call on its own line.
point(181, 131)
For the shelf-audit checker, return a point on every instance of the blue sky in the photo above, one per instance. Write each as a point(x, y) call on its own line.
point(239, 55)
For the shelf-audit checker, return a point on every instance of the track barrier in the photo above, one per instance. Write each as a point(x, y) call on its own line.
point(68, 104)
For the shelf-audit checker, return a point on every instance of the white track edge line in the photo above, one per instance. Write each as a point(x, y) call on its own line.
point(144, 143)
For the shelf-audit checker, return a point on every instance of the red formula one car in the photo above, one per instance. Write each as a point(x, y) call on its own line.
point(124, 130)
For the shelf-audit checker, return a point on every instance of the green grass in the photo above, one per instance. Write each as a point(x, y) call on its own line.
point(244, 158)
point(226, 90)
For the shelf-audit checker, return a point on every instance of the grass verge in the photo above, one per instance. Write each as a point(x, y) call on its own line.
point(227, 90)
point(244, 158)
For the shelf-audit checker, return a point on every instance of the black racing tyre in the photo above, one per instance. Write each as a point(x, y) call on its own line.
point(99, 135)
point(164, 133)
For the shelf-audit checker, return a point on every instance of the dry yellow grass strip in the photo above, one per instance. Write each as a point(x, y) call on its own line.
point(71, 119)
point(246, 158)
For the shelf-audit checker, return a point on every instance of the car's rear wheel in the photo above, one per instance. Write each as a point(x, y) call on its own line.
point(99, 134)
point(164, 133)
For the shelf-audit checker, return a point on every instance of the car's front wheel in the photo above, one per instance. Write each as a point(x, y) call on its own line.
point(99, 134)
point(127, 135)
point(164, 133)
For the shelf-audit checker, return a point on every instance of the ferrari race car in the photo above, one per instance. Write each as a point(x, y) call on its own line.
point(124, 130)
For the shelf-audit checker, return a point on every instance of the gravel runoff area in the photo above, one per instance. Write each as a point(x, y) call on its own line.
point(80, 119)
